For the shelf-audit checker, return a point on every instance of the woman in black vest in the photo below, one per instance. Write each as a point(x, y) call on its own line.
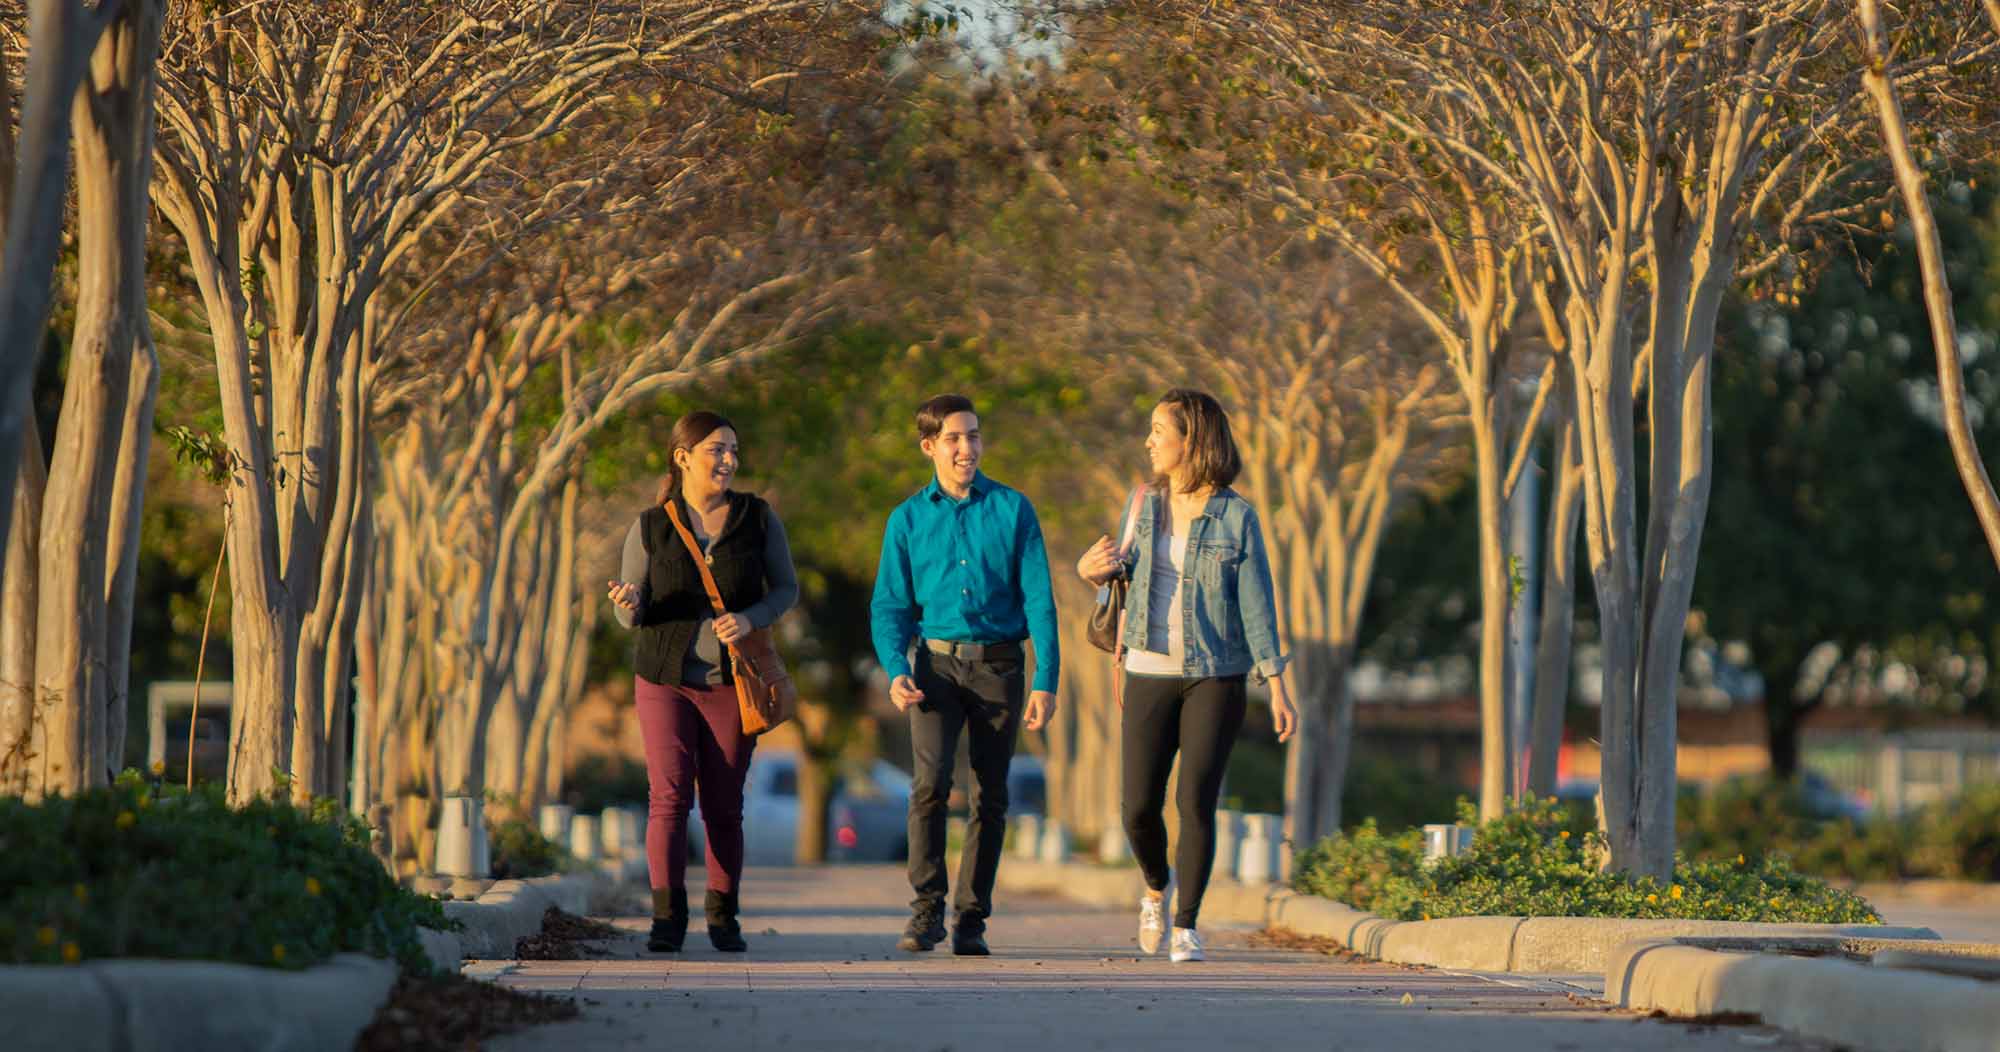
point(683, 688)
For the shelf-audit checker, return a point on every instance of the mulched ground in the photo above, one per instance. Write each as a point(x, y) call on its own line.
point(565, 937)
point(454, 1014)
point(1280, 939)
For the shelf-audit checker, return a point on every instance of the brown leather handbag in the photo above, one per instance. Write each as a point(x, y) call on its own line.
point(765, 694)
point(1107, 619)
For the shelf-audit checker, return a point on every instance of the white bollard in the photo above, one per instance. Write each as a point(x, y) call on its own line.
point(611, 832)
point(1228, 834)
point(634, 850)
point(1254, 853)
point(460, 833)
point(583, 842)
point(553, 821)
point(1055, 842)
point(1113, 848)
point(1028, 836)
point(1444, 839)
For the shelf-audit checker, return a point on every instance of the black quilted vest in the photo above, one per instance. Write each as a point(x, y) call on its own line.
point(676, 603)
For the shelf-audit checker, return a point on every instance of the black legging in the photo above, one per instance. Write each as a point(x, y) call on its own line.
point(1200, 718)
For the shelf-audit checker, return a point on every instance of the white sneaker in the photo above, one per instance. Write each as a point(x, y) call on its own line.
point(1187, 946)
point(1152, 922)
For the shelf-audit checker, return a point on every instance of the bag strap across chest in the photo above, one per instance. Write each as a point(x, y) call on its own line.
point(700, 559)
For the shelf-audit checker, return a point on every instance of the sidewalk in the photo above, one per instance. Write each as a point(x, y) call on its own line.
point(823, 973)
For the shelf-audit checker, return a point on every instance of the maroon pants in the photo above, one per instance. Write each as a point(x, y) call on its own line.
point(694, 740)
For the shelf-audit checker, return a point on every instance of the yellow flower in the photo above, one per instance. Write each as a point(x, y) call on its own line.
point(1775, 902)
point(81, 892)
point(1739, 860)
point(312, 886)
point(72, 953)
point(126, 818)
point(1676, 892)
point(278, 952)
point(1565, 834)
point(1651, 898)
point(159, 767)
point(45, 935)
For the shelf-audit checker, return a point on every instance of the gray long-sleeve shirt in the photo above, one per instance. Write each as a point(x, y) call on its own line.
point(703, 665)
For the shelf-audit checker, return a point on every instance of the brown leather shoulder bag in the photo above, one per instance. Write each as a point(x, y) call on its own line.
point(765, 694)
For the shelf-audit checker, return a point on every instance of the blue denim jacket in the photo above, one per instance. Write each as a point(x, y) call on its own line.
point(1231, 625)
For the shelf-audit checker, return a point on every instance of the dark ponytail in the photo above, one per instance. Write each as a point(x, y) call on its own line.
point(689, 430)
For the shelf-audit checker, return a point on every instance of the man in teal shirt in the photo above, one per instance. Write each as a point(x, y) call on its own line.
point(965, 576)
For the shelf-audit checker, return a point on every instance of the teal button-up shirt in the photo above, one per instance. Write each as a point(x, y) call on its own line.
point(968, 571)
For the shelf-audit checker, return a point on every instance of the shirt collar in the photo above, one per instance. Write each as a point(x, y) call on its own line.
point(980, 485)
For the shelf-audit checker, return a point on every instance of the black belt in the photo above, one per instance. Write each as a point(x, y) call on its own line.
point(974, 651)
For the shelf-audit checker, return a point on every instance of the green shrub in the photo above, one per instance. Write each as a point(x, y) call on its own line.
point(139, 870)
point(1959, 839)
point(602, 780)
point(520, 850)
point(1532, 862)
point(1363, 867)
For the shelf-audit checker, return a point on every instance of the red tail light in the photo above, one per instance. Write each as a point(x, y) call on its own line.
point(847, 837)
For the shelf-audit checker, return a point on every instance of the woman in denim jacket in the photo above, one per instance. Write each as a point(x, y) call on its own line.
point(1199, 618)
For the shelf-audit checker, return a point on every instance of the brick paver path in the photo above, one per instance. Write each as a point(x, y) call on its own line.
point(823, 973)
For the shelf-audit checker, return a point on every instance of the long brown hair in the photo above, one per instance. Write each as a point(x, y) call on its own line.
point(1211, 455)
point(689, 431)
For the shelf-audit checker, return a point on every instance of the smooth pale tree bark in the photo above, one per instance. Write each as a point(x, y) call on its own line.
point(1647, 150)
point(1558, 605)
point(1910, 183)
point(1085, 751)
point(90, 515)
point(62, 36)
point(21, 733)
point(305, 161)
point(84, 539)
point(1470, 315)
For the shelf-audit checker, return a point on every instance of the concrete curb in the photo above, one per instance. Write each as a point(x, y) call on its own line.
point(509, 910)
point(1533, 945)
point(147, 1005)
point(1881, 1009)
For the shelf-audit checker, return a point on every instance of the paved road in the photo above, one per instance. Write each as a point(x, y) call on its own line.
point(1960, 923)
point(823, 973)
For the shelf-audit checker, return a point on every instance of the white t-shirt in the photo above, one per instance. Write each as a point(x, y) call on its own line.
point(1166, 650)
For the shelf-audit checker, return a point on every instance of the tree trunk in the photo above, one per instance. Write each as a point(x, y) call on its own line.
point(62, 35)
point(1316, 764)
point(137, 37)
point(815, 806)
point(19, 600)
point(127, 515)
point(1495, 597)
point(73, 659)
point(1937, 287)
point(1552, 645)
point(1784, 716)
point(1603, 381)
